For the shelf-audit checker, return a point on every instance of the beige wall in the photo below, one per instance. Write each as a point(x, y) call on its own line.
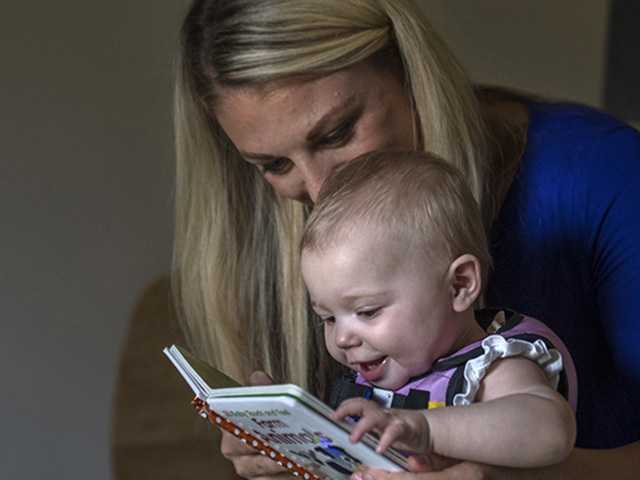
point(85, 203)
point(550, 47)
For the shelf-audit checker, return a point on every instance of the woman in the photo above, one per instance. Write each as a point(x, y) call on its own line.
point(273, 95)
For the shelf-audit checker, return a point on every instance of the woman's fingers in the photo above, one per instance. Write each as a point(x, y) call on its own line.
point(459, 471)
point(246, 461)
point(231, 446)
point(257, 467)
point(260, 378)
point(373, 474)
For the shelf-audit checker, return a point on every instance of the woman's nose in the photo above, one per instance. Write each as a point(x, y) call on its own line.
point(313, 176)
point(313, 183)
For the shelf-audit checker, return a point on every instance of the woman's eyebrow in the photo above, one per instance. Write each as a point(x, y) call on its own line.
point(344, 111)
point(259, 157)
point(334, 116)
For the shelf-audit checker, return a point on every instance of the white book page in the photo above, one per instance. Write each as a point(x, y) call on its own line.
point(279, 417)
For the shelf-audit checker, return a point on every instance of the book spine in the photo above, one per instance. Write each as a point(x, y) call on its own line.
point(248, 438)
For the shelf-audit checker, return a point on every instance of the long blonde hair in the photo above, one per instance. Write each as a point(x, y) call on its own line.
point(236, 277)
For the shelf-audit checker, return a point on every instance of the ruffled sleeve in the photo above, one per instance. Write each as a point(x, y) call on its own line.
point(496, 347)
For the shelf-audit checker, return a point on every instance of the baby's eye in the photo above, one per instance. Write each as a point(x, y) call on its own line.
point(279, 166)
point(369, 312)
point(322, 320)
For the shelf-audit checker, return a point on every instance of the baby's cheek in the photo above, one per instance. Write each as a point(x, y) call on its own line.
point(338, 356)
point(336, 353)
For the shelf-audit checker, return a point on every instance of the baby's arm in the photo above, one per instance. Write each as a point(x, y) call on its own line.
point(518, 421)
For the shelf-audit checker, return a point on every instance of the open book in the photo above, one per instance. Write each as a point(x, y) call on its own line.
point(282, 422)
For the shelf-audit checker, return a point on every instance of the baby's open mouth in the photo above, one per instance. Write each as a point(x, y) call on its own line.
point(373, 370)
point(367, 366)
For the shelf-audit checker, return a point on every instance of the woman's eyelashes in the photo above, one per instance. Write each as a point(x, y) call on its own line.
point(339, 136)
point(279, 166)
point(336, 138)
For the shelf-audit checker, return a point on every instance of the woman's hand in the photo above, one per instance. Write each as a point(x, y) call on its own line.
point(622, 463)
point(246, 461)
point(459, 471)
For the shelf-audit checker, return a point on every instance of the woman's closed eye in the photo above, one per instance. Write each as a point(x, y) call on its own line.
point(279, 166)
point(338, 136)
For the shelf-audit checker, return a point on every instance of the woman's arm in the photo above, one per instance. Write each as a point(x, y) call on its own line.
point(621, 463)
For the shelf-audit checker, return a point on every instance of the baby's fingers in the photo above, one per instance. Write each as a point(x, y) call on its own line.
point(369, 421)
point(394, 431)
point(353, 406)
point(372, 416)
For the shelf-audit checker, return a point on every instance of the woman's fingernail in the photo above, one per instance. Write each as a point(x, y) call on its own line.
point(362, 476)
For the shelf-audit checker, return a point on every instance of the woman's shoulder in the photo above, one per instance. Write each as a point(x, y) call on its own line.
point(573, 122)
point(578, 161)
point(580, 141)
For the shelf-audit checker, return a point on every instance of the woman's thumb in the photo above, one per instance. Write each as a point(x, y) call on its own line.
point(260, 378)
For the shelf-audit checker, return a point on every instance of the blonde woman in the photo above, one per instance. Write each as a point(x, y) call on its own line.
point(272, 95)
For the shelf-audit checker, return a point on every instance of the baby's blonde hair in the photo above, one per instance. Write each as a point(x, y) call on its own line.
point(413, 197)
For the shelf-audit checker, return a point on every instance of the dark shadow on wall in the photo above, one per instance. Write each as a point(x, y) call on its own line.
point(622, 76)
point(156, 434)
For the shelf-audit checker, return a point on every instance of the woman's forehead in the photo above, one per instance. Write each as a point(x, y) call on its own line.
point(257, 115)
point(357, 78)
point(254, 118)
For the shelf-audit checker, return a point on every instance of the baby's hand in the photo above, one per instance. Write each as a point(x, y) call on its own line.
point(405, 429)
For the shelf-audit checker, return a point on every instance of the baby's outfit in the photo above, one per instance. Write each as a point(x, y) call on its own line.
point(454, 380)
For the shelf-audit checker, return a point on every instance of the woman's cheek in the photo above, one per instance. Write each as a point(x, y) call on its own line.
point(286, 186)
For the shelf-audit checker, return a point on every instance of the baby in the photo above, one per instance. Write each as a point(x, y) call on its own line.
point(395, 258)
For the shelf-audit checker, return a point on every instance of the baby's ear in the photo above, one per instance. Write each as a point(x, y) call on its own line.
point(465, 282)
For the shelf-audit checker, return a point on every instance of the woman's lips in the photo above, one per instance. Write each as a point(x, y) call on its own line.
point(372, 371)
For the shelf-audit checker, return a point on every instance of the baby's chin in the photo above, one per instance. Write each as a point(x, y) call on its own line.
point(391, 384)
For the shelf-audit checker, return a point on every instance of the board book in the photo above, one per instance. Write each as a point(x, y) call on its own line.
point(282, 422)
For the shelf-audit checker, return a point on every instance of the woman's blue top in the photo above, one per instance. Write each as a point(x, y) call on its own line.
point(566, 250)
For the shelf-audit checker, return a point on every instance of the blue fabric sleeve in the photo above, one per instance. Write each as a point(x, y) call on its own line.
point(566, 250)
point(616, 251)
